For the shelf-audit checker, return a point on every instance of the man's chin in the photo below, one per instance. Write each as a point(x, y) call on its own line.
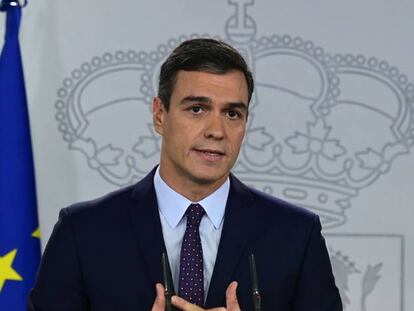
point(209, 179)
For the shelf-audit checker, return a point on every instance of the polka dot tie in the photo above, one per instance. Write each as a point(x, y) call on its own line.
point(191, 284)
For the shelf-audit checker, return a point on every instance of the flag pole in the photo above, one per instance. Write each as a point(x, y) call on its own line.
point(4, 4)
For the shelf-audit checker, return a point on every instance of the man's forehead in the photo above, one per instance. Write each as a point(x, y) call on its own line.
point(189, 81)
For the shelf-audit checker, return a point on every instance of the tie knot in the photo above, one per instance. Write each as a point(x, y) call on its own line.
point(194, 214)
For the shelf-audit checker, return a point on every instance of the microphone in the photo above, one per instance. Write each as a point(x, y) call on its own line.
point(255, 287)
point(168, 284)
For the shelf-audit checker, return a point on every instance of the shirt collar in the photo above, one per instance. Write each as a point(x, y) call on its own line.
point(173, 205)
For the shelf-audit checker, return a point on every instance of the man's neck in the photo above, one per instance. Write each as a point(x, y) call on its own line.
point(193, 190)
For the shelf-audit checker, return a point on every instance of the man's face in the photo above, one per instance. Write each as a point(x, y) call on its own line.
point(203, 130)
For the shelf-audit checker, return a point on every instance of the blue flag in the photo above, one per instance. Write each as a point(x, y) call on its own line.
point(19, 233)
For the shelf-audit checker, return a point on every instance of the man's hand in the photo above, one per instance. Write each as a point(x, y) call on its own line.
point(159, 303)
point(231, 301)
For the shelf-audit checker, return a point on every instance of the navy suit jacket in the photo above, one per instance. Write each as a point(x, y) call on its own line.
point(106, 255)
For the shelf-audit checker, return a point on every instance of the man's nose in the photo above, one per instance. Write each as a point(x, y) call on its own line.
point(214, 127)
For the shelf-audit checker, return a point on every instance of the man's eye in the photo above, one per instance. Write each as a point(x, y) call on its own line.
point(196, 109)
point(233, 114)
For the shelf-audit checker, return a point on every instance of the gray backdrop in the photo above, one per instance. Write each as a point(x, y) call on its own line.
point(331, 125)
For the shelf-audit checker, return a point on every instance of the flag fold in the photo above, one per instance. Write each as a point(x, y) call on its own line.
point(19, 238)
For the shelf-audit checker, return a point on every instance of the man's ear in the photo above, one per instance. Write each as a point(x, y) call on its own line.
point(158, 112)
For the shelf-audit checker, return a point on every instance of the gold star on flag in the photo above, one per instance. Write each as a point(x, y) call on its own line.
point(6, 270)
point(36, 233)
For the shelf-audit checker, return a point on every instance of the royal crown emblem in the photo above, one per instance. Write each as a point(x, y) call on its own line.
point(316, 135)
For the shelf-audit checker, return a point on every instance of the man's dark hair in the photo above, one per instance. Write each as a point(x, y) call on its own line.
point(207, 55)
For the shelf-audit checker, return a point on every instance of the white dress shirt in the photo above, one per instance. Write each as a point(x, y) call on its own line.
point(172, 207)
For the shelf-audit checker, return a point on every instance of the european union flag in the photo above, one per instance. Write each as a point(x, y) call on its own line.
point(19, 234)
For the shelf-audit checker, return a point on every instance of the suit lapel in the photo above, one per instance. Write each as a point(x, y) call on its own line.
point(236, 229)
point(147, 226)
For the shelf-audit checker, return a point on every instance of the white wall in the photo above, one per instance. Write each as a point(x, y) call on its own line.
point(331, 124)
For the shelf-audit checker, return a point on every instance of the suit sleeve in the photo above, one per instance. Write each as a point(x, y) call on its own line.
point(59, 285)
point(316, 289)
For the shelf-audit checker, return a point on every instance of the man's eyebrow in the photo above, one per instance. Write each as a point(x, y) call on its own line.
point(234, 105)
point(198, 99)
point(205, 99)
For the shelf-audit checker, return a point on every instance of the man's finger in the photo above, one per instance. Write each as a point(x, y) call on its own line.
point(184, 305)
point(231, 297)
point(159, 303)
point(231, 301)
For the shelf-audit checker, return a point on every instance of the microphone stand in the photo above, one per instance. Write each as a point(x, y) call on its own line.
point(255, 288)
point(168, 285)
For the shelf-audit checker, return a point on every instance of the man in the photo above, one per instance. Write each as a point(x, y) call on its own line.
point(106, 254)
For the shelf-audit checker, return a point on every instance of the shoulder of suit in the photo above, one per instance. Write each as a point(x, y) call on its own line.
point(113, 203)
point(275, 207)
point(106, 204)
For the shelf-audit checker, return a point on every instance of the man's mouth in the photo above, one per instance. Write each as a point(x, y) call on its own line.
point(211, 151)
point(210, 154)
